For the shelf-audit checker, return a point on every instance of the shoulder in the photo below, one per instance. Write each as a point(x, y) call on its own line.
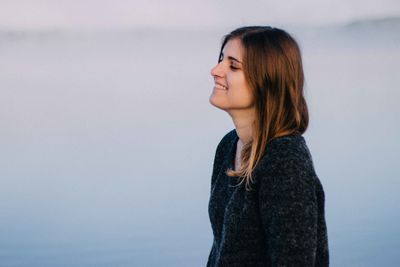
point(287, 160)
point(286, 146)
point(286, 149)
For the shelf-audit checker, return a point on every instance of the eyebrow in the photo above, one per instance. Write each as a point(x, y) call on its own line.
point(231, 58)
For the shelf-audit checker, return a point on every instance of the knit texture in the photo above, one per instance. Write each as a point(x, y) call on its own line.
point(281, 222)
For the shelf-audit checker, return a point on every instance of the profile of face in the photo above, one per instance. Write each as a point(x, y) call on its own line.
point(231, 90)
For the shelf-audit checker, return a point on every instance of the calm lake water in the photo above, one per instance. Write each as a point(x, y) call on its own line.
point(107, 142)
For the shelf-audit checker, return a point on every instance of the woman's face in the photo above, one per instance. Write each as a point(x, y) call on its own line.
point(231, 90)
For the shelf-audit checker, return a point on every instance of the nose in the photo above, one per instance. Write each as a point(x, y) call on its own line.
point(217, 70)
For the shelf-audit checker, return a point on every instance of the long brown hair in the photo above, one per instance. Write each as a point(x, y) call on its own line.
point(273, 68)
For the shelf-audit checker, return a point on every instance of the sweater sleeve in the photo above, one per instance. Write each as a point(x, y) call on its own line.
point(288, 210)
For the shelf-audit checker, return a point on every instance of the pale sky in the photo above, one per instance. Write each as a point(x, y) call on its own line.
point(100, 14)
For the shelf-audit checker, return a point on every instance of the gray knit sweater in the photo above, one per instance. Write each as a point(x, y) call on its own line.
point(281, 222)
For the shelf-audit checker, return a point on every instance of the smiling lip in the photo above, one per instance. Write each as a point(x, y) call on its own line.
point(220, 86)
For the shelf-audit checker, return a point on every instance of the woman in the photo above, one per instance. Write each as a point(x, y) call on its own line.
point(267, 204)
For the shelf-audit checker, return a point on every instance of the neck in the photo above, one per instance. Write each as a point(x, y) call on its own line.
point(243, 120)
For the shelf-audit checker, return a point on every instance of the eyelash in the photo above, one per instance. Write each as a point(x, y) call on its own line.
point(232, 67)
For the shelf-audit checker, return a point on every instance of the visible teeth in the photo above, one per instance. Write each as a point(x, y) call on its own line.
point(221, 86)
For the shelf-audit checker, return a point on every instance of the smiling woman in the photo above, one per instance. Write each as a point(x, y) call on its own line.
point(278, 217)
point(231, 90)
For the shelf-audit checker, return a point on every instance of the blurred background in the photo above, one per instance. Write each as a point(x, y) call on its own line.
point(107, 137)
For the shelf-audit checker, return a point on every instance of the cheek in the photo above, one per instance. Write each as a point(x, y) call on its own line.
point(239, 85)
point(235, 80)
point(244, 93)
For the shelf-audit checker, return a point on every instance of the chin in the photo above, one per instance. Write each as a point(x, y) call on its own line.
point(220, 107)
point(215, 102)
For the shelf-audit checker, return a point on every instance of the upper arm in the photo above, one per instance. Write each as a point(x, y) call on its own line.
point(288, 210)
